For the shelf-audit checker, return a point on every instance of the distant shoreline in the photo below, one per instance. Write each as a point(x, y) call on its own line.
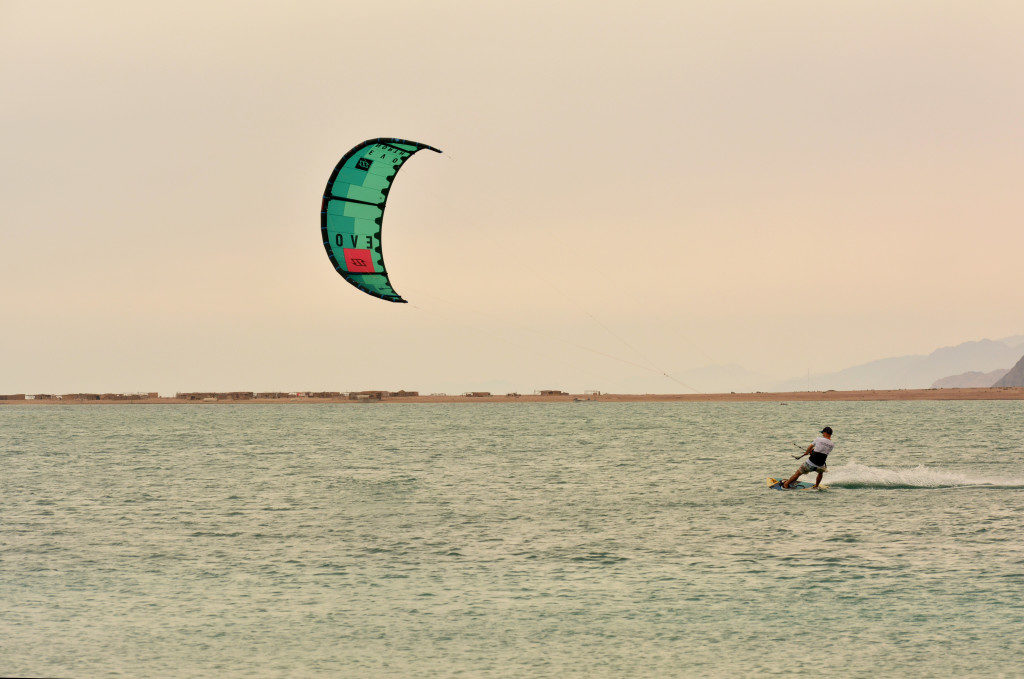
point(965, 394)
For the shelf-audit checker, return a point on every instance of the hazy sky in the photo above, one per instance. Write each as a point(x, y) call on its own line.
point(785, 186)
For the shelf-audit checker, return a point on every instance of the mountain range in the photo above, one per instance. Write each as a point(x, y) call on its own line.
point(919, 371)
point(977, 363)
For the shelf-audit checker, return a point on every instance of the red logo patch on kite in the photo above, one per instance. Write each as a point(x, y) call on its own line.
point(358, 261)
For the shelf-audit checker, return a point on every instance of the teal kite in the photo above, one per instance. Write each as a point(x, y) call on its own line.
point(353, 210)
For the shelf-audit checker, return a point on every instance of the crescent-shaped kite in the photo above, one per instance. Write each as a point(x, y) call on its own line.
point(353, 210)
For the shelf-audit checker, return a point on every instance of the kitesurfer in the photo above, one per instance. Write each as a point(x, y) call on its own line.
point(818, 454)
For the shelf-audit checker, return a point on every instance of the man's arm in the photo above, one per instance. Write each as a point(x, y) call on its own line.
point(809, 450)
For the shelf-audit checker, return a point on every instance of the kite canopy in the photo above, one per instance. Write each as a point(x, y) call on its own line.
point(353, 210)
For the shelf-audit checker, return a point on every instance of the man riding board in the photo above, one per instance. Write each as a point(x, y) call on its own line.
point(818, 452)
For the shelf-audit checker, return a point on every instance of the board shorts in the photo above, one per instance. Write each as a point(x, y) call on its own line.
point(809, 467)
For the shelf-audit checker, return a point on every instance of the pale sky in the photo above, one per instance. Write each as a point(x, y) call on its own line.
point(784, 186)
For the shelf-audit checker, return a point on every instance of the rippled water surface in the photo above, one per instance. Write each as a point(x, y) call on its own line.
point(576, 539)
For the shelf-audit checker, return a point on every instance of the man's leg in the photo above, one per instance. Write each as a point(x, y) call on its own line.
point(817, 482)
point(792, 478)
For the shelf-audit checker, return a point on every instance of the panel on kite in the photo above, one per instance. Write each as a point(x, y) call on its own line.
point(353, 210)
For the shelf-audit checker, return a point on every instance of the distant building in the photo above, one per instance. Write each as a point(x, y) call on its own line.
point(367, 395)
point(403, 392)
point(12, 397)
point(271, 394)
point(80, 397)
point(44, 397)
point(323, 394)
point(553, 392)
point(215, 395)
point(478, 394)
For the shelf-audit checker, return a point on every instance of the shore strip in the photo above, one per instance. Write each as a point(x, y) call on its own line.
point(973, 394)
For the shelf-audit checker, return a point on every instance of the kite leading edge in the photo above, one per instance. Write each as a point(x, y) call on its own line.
point(353, 211)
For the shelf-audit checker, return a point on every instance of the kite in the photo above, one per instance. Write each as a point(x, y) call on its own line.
point(353, 210)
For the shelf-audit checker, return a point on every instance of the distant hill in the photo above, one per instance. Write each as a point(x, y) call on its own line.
point(1013, 341)
point(917, 371)
point(1014, 378)
point(970, 379)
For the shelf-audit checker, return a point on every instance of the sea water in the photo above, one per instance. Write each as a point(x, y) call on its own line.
point(527, 540)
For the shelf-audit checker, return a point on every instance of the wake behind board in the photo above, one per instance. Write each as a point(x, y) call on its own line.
point(776, 484)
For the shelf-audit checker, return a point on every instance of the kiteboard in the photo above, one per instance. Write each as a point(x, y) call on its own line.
point(776, 484)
